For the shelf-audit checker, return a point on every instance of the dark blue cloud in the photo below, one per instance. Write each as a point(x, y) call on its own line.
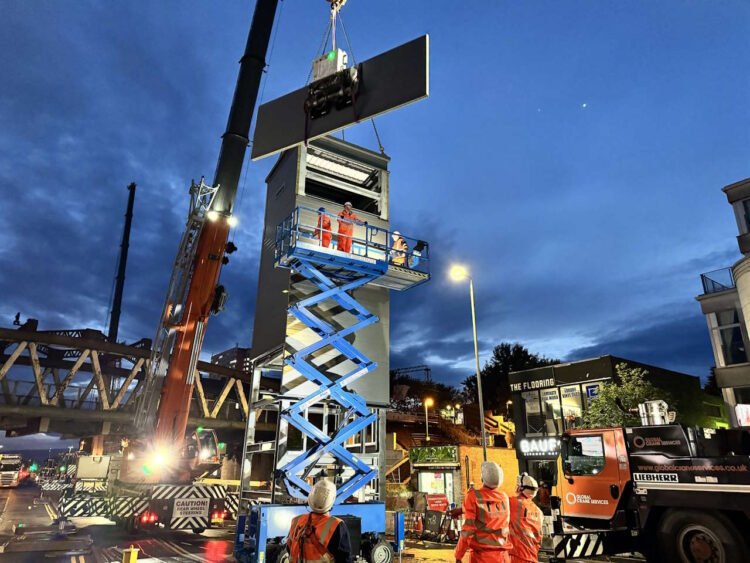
point(577, 223)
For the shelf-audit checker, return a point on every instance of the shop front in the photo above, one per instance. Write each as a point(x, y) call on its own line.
point(546, 402)
point(437, 471)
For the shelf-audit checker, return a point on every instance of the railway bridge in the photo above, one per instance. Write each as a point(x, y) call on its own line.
point(77, 383)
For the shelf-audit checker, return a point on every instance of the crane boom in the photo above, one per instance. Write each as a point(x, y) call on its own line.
point(193, 290)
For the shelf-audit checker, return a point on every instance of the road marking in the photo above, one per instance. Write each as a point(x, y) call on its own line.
point(181, 551)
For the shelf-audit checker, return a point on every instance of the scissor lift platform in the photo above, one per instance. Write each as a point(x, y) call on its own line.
point(372, 252)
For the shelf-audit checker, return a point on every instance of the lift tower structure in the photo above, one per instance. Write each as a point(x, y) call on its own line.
point(322, 327)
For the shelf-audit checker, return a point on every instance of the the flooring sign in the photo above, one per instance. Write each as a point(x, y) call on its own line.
point(190, 508)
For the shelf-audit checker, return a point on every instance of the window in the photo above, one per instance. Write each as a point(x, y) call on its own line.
point(712, 410)
point(552, 412)
point(727, 337)
point(534, 416)
point(585, 455)
point(572, 406)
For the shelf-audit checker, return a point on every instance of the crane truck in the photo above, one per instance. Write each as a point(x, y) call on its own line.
point(152, 481)
point(670, 492)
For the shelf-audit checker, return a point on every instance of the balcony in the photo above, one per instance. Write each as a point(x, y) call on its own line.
point(717, 281)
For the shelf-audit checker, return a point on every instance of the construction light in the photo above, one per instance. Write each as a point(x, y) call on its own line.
point(212, 215)
point(33, 467)
point(232, 221)
point(205, 453)
point(200, 430)
point(222, 445)
point(63, 469)
point(331, 55)
point(458, 273)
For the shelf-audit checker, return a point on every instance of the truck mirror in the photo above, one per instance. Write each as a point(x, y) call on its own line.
point(564, 452)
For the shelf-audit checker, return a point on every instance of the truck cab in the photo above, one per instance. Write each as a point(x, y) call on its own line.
point(671, 492)
point(10, 470)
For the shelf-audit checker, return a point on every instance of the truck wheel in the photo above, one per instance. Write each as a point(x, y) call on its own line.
point(381, 552)
point(199, 530)
point(700, 537)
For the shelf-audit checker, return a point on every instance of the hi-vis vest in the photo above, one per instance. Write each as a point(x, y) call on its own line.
point(487, 516)
point(525, 529)
point(309, 537)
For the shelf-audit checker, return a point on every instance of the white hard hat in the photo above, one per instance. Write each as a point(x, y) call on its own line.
point(395, 235)
point(526, 481)
point(492, 474)
point(348, 203)
point(322, 496)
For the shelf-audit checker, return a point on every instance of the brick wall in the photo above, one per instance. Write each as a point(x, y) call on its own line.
point(504, 457)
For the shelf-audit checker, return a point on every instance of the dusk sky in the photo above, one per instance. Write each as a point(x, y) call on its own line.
point(571, 154)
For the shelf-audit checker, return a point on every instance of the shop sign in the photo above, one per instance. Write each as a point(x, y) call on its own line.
point(549, 395)
point(434, 454)
point(592, 390)
point(570, 392)
point(438, 501)
point(539, 447)
point(533, 384)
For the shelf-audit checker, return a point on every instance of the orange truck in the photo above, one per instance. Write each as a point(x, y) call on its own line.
point(669, 492)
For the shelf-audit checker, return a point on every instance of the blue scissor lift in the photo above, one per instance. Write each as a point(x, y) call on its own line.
point(335, 275)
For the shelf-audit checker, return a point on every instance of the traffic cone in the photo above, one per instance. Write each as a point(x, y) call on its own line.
point(418, 528)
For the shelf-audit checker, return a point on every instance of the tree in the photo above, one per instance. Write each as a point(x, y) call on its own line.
point(408, 392)
point(631, 388)
point(506, 357)
point(712, 387)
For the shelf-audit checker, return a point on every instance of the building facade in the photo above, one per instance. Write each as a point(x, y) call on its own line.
point(725, 302)
point(235, 358)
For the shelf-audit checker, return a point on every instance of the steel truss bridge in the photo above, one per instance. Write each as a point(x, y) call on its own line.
point(77, 383)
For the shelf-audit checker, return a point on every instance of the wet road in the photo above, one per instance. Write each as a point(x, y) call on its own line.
point(29, 533)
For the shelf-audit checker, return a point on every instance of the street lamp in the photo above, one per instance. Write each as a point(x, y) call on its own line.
point(428, 402)
point(457, 274)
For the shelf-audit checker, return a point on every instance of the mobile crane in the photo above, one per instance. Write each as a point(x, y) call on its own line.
point(673, 493)
point(154, 481)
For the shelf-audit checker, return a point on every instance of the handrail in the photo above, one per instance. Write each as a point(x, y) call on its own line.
point(717, 281)
point(362, 239)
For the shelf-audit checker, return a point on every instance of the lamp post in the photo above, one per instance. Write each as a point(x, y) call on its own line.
point(460, 273)
point(428, 402)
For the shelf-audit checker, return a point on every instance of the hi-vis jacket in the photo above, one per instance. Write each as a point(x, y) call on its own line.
point(525, 530)
point(486, 526)
point(309, 537)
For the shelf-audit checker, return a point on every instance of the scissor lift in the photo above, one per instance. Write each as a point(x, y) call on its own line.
point(335, 275)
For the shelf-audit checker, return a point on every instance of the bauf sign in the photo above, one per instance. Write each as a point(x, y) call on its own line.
point(539, 447)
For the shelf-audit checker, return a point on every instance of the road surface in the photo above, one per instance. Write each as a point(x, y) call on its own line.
point(29, 534)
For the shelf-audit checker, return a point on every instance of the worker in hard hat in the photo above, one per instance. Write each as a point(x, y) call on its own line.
point(525, 521)
point(399, 249)
point(486, 520)
point(347, 219)
point(318, 536)
point(323, 231)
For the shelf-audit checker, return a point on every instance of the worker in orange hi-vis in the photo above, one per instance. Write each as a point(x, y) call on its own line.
point(323, 232)
point(317, 536)
point(485, 533)
point(525, 521)
point(347, 219)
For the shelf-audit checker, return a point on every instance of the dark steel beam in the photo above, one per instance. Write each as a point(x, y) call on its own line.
point(114, 319)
